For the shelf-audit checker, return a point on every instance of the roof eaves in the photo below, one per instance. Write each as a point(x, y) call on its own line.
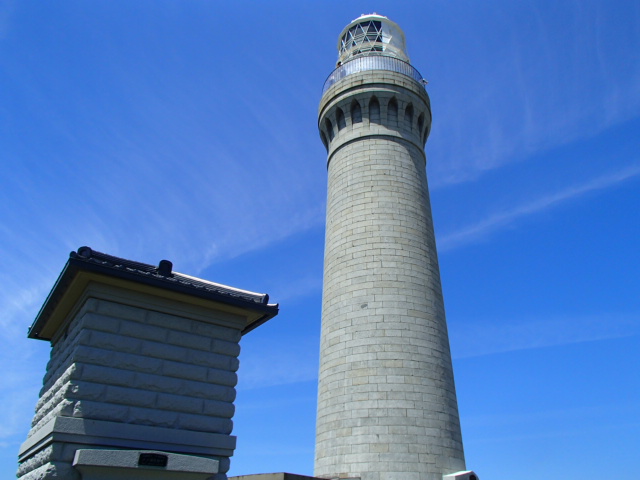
point(86, 259)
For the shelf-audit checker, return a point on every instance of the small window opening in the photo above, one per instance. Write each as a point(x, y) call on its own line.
point(329, 127)
point(408, 116)
point(392, 110)
point(374, 110)
point(340, 119)
point(356, 112)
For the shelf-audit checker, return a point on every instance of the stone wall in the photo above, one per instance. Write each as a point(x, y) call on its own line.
point(387, 406)
point(124, 375)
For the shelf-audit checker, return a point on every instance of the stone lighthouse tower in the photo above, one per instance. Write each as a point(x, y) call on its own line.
point(387, 407)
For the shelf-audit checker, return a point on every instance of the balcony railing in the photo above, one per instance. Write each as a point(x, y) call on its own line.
point(372, 62)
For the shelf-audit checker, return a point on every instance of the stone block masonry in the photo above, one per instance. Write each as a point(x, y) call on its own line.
point(387, 407)
point(125, 364)
point(133, 373)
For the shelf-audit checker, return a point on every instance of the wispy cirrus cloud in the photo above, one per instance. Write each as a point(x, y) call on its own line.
point(570, 81)
point(478, 338)
point(6, 10)
point(279, 362)
point(501, 219)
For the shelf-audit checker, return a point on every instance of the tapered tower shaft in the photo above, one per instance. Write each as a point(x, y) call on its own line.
point(387, 407)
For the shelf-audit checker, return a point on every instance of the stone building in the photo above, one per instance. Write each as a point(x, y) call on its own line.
point(387, 407)
point(142, 376)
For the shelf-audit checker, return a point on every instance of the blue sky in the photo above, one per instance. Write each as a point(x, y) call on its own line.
point(186, 130)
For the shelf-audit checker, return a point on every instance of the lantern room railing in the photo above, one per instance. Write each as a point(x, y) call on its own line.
point(372, 62)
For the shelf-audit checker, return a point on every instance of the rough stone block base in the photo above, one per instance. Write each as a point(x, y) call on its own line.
point(142, 464)
point(274, 476)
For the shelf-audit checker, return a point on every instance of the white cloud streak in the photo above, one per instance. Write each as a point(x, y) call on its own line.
point(6, 10)
point(544, 91)
point(499, 220)
point(279, 362)
point(474, 339)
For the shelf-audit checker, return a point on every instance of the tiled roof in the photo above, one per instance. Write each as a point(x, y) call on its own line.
point(161, 276)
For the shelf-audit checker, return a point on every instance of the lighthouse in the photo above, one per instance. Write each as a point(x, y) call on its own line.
point(387, 407)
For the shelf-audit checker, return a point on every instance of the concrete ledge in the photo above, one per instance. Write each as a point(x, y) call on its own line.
point(113, 434)
point(274, 476)
point(142, 464)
